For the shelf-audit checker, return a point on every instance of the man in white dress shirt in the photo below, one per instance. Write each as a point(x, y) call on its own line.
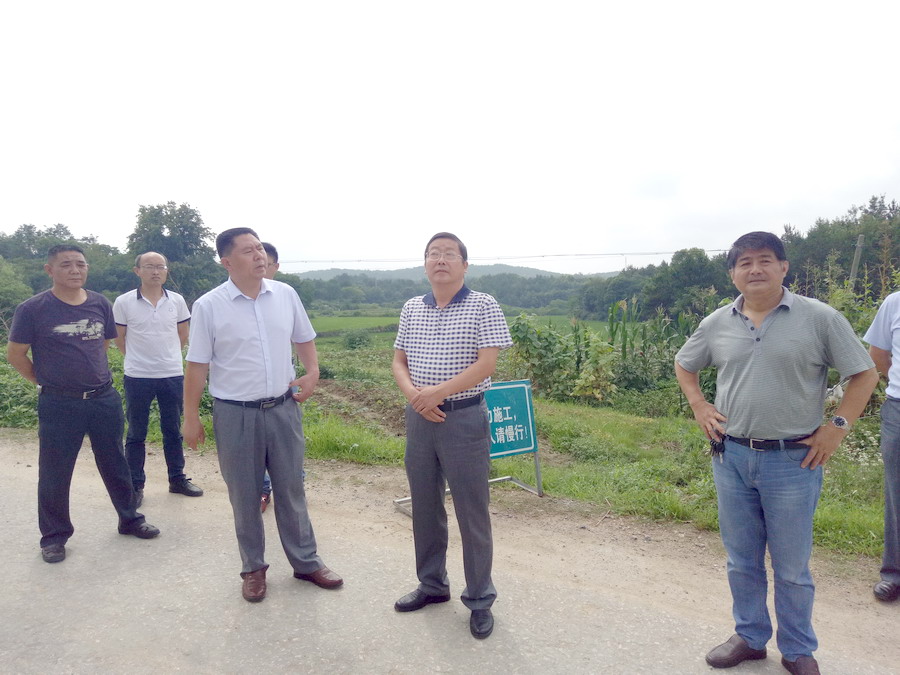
point(241, 336)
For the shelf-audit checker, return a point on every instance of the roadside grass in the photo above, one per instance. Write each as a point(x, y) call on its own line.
point(330, 437)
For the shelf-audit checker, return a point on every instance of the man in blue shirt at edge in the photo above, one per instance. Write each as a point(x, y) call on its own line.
point(772, 350)
point(445, 352)
point(883, 337)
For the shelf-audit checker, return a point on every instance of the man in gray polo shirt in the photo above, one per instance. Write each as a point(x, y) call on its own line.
point(772, 349)
point(241, 336)
point(445, 352)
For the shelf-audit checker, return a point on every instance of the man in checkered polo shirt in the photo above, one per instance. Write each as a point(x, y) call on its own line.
point(446, 350)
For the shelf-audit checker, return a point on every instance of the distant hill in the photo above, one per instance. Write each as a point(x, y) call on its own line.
point(417, 273)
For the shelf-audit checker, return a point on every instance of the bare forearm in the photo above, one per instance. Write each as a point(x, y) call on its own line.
point(470, 377)
point(194, 384)
point(309, 357)
point(17, 356)
point(882, 359)
point(690, 385)
point(857, 394)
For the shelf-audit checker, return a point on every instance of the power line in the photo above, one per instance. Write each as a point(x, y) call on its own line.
point(580, 256)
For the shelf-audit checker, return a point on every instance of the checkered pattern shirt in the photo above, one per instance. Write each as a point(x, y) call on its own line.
point(440, 343)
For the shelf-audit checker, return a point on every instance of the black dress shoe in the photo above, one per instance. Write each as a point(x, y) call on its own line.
point(886, 591)
point(53, 553)
point(142, 530)
point(417, 600)
point(805, 665)
point(185, 487)
point(481, 623)
point(733, 652)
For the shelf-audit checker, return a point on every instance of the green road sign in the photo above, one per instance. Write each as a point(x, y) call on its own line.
point(511, 414)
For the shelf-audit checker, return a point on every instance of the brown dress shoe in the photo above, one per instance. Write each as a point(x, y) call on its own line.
point(733, 652)
point(805, 665)
point(254, 588)
point(322, 577)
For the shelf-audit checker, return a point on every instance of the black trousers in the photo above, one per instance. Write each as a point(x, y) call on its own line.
point(62, 425)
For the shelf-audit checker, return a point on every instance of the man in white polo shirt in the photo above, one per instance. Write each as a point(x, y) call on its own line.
point(152, 325)
point(241, 336)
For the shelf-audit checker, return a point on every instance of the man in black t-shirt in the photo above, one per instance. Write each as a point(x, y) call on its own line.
point(68, 330)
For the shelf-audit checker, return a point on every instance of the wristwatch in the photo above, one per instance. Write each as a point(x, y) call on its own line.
point(841, 423)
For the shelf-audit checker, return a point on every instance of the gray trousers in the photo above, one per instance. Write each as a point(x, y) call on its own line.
point(458, 451)
point(249, 441)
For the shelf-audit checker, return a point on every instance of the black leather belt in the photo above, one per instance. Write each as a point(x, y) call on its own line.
point(262, 404)
point(462, 403)
point(74, 393)
point(761, 444)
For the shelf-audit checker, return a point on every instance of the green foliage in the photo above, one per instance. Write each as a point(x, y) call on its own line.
point(357, 339)
point(18, 404)
point(12, 292)
point(177, 232)
point(577, 364)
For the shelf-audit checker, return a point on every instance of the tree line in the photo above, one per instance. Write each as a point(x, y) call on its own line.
point(691, 282)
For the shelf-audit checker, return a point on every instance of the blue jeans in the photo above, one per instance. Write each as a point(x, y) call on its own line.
point(139, 394)
point(766, 499)
point(62, 425)
point(890, 453)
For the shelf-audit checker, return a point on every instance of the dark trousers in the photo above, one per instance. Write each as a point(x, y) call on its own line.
point(456, 451)
point(169, 394)
point(62, 425)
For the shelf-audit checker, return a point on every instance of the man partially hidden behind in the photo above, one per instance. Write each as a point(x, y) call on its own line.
point(152, 324)
point(68, 330)
point(271, 268)
point(883, 337)
point(772, 349)
point(445, 352)
point(241, 336)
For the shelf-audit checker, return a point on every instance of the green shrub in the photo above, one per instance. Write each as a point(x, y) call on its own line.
point(357, 339)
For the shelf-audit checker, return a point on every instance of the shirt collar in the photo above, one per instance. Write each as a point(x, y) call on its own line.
point(140, 296)
point(234, 291)
point(459, 297)
point(787, 300)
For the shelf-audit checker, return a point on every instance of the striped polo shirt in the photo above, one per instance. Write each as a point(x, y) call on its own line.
point(440, 343)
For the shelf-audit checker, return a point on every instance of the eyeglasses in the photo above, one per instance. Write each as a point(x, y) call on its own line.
point(151, 268)
point(434, 256)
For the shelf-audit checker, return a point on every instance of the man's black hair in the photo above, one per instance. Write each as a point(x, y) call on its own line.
point(225, 240)
point(755, 241)
point(62, 248)
point(447, 235)
point(271, 251)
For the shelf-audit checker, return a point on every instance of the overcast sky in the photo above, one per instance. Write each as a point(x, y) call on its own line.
point(569, 136)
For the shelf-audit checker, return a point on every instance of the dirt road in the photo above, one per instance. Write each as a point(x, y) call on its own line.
point(580, 591)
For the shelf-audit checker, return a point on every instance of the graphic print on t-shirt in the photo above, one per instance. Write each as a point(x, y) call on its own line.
point(85, 329)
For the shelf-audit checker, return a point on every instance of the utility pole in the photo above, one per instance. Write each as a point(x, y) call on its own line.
point(856, 256)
